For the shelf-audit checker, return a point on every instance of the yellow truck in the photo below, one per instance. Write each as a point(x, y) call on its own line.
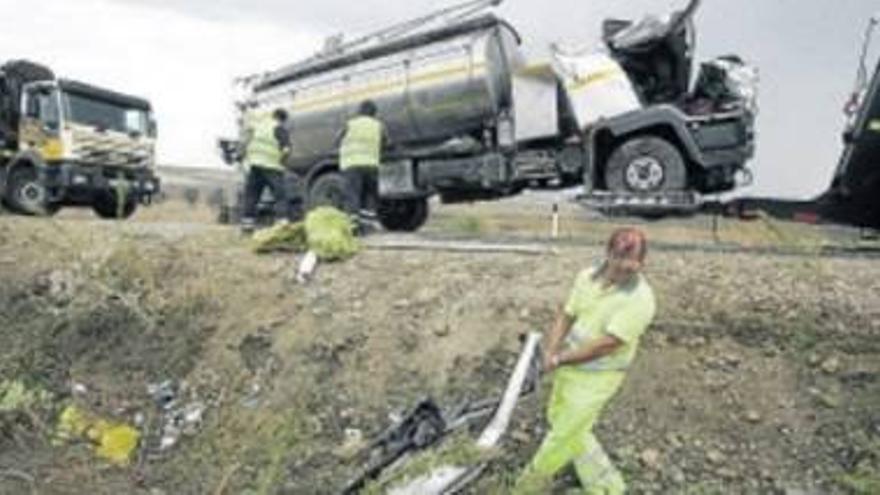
point(68, 143)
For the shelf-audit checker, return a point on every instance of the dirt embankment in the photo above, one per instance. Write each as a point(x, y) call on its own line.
point(761, 375)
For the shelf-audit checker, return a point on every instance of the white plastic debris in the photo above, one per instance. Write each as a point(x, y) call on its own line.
point(307, 266)
point(79, 389)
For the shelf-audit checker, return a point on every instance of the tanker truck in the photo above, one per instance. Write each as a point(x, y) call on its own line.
point(68, 143)
point(471, 118)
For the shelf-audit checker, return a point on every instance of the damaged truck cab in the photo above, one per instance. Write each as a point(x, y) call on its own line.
point(684, 140)
point(470, 118)
point(66, 143)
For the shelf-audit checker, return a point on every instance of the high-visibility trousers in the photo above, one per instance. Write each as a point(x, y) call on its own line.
point(577, 399)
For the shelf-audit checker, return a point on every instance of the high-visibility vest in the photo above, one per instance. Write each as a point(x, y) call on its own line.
point(262, 149)
point(362, 144)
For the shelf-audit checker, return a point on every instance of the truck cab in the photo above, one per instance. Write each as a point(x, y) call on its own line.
point(67, 143)
point(686, 139)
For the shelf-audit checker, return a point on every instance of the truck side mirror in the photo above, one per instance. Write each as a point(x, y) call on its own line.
point(152, 129)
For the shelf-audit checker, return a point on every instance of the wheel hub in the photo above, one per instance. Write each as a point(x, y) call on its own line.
point(644, 174)
point(32, 196)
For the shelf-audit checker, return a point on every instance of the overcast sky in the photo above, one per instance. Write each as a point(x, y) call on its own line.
point(183, 55)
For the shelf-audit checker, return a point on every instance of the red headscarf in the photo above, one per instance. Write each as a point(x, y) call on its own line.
point(626, 251)
point(628, 243)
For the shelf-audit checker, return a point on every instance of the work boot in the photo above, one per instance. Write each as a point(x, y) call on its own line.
point(367, 214)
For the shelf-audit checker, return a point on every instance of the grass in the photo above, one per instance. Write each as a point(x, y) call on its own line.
point(861, 483)
point(16, 396)
point(463, 224)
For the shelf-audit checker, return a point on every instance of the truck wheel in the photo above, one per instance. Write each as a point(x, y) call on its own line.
point(646, 164)
point(403, 215)
point(25, 194)
point(329, 189)
point(106, 205)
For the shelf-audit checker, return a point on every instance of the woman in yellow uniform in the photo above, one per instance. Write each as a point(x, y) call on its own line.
point(588, 350)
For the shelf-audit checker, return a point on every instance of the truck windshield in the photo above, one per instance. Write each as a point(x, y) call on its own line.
point(105, 115)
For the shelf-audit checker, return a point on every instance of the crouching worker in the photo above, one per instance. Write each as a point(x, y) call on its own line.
point(588, 350)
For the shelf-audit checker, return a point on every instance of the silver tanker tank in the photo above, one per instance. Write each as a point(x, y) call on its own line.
point(429, 88)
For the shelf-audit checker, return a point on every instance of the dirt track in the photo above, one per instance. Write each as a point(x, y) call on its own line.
point(761, 374)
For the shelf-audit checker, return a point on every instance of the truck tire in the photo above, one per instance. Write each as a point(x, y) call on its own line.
point(403, 215)
point(646, 164)
point(25, 195)
point(329, 189)
point(106, 205)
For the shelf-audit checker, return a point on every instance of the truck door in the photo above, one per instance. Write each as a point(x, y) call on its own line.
point(40, 125)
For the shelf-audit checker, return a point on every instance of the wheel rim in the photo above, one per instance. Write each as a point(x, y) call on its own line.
point(645, 174)
point(32, 196)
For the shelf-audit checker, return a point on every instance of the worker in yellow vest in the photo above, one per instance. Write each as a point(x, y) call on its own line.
point(588, 350)
point(360, 152)
point(267, 143)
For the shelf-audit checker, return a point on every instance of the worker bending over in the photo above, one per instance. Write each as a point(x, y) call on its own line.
point(589, 350)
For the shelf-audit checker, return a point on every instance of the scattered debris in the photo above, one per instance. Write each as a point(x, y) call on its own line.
point(185, 420)
point(175, 420)
point(454, 478)
point(419, 429)
point(426, 424)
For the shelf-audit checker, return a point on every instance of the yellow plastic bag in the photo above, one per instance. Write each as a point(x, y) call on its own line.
point(283, 236)
point(114, 442)
point(330, 233)
point(117, 442)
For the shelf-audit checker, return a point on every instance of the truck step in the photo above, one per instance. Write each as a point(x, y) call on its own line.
point(639, 204)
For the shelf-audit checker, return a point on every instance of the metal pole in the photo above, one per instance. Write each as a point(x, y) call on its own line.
point(554, 229)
